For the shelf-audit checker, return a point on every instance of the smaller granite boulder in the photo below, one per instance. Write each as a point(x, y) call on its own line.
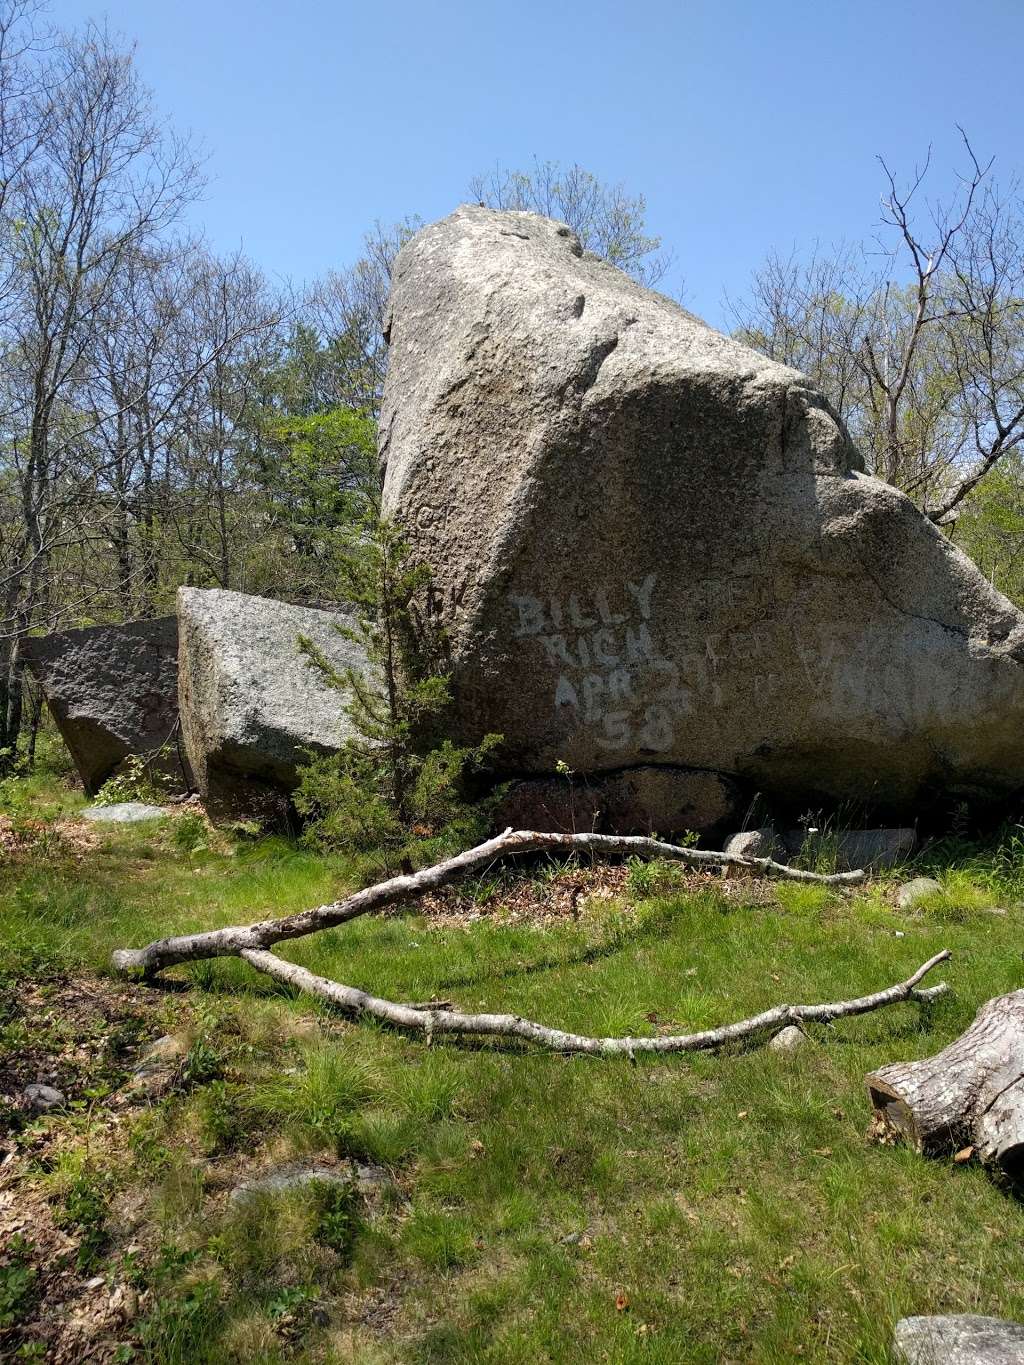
point(788, 1039)
point(959, 1339)
point(753, 843)
point(113, 692)
point(252, 706)
point(40, 1099)
point(123, 813)
point(911, 894)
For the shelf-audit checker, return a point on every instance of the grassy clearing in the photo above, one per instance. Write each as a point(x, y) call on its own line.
point(528, 1207)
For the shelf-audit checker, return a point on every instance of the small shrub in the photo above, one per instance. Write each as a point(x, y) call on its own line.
point(397, 777)
point(652, 877)
point(83, 1211)
point(17, 1280)
point(203, 1063)
point(190, 833)
point(338, 1219)
point(221, 1111)
point(136, 781)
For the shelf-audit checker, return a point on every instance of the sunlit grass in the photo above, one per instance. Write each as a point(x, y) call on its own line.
point(539, 1207)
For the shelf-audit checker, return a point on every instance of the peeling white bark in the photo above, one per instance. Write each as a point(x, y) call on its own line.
point(448, 1021)
point(237, 939)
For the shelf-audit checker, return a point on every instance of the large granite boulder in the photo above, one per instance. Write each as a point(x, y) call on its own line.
point(113, 692)
point(252, 707)
point(666, 801)
point(653, 546)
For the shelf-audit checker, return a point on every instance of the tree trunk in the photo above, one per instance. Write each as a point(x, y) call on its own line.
point(971, 1094)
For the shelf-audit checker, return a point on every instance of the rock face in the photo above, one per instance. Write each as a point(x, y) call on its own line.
point(113, 691)
point(959, 1339)
point(653, 546)
point(124, 813)
point(873, 849)
point(653, 800)
point(251, 706)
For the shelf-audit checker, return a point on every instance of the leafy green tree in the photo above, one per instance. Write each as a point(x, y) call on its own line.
point(991, 529)
point(319, 472)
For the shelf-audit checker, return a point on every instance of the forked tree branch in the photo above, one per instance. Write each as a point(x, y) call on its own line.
point(420, 1019)
point(237, 939)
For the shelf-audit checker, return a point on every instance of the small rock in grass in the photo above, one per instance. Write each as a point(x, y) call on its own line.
point(42, 1098)
point(788, 1039)
point(124, 813)
point(959, 1339)
point(912, 893)
point(165, 1049)
point(365, 1179)
point(753, 843)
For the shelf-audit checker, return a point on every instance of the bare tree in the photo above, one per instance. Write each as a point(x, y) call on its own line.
point(228, 339)
point(346, 310)
point(923, 355)
point(104, 180)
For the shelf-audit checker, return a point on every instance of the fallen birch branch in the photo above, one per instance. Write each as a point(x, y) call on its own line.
point(440, 1021)
point(238, 939)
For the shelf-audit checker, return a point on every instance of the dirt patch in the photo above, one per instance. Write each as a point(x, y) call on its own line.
point(67, 1314)
point(77, 1034)
point(22, 837)
point(526, 899)
point(81, 1035)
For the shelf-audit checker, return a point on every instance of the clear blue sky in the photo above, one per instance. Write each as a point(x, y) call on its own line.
point(747, 125)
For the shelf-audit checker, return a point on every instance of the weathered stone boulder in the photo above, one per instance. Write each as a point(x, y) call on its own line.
point(252, 707)
point(959, 1339)
point(919, 889)
point(753, 843)
point(653, 546)
point(113, 692)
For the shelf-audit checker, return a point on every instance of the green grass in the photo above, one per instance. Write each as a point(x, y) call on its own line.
point(542, 1208)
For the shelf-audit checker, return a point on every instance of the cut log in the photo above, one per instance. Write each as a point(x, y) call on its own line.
point(971, 1094)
